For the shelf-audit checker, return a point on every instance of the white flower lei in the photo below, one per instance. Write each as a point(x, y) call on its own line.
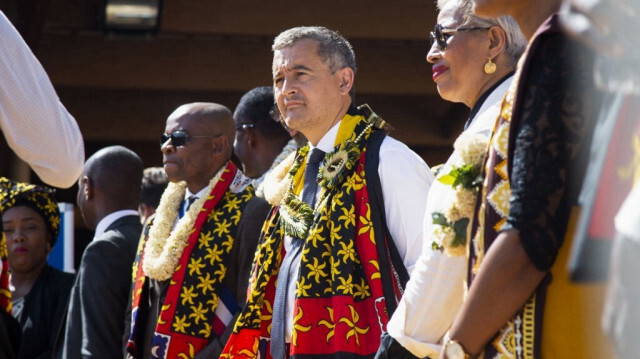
point(164, 246)
point(450, 227)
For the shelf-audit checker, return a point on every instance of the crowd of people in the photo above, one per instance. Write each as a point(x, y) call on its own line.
point(296, 226)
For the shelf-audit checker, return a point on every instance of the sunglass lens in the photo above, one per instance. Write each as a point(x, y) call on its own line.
point(439, 37)
point(164, 138)
point(178, 138)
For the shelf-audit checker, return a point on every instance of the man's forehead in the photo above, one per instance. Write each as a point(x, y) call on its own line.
point(300, 53)
point(183, 120)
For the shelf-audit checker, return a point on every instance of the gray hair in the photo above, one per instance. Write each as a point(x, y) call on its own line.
point(516, 42)
point(333, 48)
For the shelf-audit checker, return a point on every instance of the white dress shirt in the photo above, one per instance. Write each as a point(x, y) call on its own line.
point(35, 124)
point(435, 291)
point(405, 179)
point(110, 218)
point(627, 220)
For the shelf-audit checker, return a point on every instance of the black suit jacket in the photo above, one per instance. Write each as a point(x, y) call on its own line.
point(95, 319)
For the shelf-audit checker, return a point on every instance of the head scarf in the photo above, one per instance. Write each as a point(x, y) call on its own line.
point(39, 198)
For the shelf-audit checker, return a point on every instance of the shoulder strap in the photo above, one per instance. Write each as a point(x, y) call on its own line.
point(388, 255)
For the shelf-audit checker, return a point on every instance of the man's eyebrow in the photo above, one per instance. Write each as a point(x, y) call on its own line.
point(301, 67)
point(295, 68)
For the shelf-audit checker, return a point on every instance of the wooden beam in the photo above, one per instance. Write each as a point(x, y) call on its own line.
point(365, 19)
point(129, 115)
point(215, 63)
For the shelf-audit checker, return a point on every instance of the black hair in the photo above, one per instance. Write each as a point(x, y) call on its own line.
point(255, 107)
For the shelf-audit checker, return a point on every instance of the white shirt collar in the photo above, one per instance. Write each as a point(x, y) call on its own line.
point(327, 142)
point(188, 193)
point(110, 218)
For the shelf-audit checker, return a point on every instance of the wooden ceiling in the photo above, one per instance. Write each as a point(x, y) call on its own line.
point(121, 87)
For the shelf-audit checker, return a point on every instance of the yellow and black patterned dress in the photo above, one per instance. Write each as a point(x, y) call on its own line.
point(534, 169)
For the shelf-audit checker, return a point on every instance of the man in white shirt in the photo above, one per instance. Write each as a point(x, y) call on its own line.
point(108, 196)
point(35, 124)
point(349, 221)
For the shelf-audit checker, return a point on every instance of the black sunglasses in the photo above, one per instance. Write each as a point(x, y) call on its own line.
point(178, 138)
point(441, 35)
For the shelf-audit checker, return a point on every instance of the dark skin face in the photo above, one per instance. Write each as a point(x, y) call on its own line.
point(201, 157)
point(28, 240)
point(242, 148)
point(82, 201)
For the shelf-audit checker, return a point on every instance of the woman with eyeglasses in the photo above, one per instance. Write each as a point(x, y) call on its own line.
point(532, 177)
point(473, 60)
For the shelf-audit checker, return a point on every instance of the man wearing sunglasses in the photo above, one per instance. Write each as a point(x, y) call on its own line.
point(346, 230)
point(191, 272)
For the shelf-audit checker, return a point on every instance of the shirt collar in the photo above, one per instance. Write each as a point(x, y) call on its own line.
point(479, 107)
point(110, 218)
point(188, 193)
point(327, 142)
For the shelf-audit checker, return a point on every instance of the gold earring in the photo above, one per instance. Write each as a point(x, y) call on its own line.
point(490, 67)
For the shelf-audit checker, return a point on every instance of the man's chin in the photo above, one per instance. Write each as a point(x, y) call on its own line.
point(294, 123)
point(172, 176)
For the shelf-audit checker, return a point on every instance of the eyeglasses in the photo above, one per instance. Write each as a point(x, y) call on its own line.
point(242, 126)
point(178, 138)
point(441, 35)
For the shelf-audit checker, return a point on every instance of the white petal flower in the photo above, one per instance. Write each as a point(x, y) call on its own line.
point(472, 148)
point(465, 202)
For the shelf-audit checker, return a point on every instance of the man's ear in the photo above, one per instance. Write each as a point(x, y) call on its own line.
point(89, 188)
point(221, 145)
point(346, 76)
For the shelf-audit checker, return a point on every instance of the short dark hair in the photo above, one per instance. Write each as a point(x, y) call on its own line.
point(117, 171)
point(154, 182)
point(255, 107)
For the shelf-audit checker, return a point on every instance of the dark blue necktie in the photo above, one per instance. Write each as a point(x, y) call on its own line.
point(186, 204)
point(278, 321)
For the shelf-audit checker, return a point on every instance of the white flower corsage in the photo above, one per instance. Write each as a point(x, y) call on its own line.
point(450, 228)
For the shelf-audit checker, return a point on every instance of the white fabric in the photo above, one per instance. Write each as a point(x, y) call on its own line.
point(435, 291)
point(110, 218)
point(628, 218)
point(188, 194)
point(35, 124)
point(405, 179)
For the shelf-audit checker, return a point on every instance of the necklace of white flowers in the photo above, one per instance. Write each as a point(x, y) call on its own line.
point(450, 228)
point(297, 216)
point(165, 246)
